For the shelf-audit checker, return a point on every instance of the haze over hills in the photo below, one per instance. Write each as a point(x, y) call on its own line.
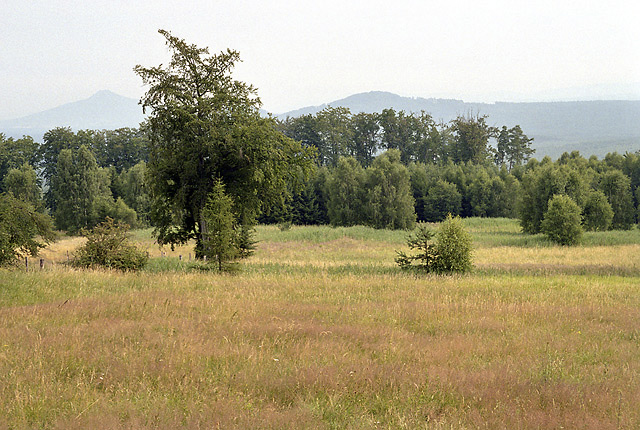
point(104, 110)
point(591, 127)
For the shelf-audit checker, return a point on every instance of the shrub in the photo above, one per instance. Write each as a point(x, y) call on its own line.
point(450, 253)
point(108, 246)
point(562, 221)
point(453, 244)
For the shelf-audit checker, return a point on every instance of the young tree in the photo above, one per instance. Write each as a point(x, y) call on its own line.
point(220, 239)
point(450, 253)
point(205, 125)
point(454, 246)
point(562, 220)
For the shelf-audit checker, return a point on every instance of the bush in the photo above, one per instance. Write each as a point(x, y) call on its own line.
point(453, 244)
point(450, 253)
point(562, 221)
point(108, 246)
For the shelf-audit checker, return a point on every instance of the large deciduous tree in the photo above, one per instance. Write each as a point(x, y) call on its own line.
point(204, 125)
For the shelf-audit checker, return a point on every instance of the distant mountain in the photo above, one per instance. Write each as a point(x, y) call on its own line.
point(591, 127)
point(103, 110)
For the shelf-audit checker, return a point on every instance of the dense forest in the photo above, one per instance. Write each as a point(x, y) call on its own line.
point(386, 170)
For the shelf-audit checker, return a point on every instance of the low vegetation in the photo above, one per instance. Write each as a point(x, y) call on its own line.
point(107, 246)
point(450, 253)
point(322, 330)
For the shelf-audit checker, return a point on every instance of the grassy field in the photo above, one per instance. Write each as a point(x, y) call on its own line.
point(321, 330)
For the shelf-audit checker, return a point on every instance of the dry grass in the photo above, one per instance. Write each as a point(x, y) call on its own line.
point(320, 348)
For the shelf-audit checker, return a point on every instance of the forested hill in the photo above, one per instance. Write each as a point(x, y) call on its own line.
point(104, 110)
point(591, 127)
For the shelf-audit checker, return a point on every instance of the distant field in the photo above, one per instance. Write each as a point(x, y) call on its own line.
point(321, 330)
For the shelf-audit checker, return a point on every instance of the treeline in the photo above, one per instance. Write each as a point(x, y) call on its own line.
point(389, 194)
point(79, 178)
point(385, 170)
point(336, 133)
point(430, 169)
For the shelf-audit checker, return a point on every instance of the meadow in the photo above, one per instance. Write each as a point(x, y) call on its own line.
point(321, 330)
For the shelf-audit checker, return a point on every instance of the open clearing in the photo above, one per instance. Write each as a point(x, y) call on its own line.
point(321, 330)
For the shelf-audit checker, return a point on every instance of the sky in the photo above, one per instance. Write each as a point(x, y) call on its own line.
point(300, 53)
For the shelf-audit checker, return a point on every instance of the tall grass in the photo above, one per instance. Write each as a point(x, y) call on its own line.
point(321, 330)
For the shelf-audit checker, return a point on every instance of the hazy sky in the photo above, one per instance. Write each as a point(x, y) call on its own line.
point(301, 53)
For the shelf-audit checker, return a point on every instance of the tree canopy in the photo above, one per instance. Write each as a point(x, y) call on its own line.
point(203, 126)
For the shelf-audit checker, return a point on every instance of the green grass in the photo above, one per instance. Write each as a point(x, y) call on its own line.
point(321, 330)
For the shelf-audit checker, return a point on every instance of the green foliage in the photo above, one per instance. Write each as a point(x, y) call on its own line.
point(75, 187)
point(389, 201)
point(454, 246)
point(205, 125)
point(345, 189)
point(541, 184)
point(442, 198)
point(15, 153)
point(218, 226)
point(108, 246)
point(426, 252)
point(23, 230)
point(562, 221)
point(513, 148)
point(617, 188)
point(23, 184)
point(131, 185)
point(597, 213)
point(451, 253)
point(471, 139)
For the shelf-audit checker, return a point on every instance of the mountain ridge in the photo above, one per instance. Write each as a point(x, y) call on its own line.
point(592, 127)
point(103, 110)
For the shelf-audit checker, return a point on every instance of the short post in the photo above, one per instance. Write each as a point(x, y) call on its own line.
point(41, 263)
point(26, 263)
point(180, 257)
point(204, 258)
point(67, 256)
